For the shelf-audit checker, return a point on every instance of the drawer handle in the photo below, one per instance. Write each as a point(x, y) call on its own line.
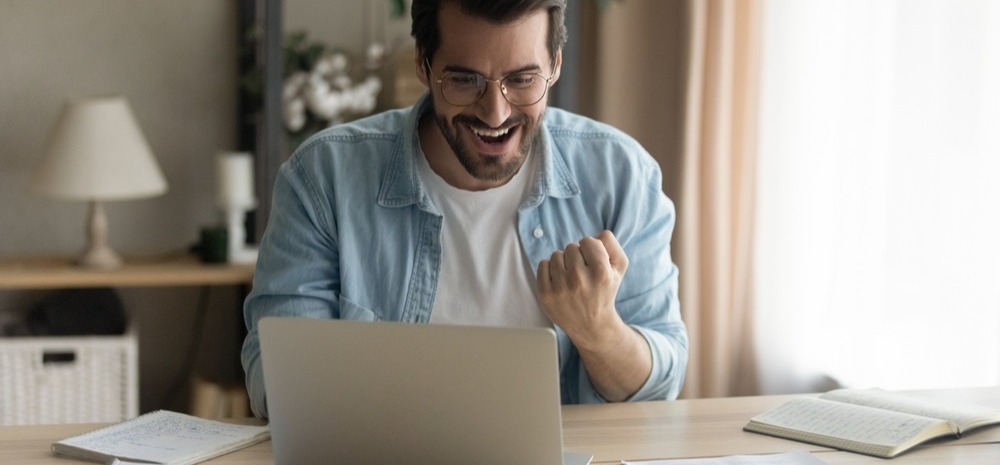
point(58, 357)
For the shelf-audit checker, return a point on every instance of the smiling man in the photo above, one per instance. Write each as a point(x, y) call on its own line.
point(480, 206)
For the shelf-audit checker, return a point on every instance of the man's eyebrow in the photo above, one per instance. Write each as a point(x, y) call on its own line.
point(463, 69)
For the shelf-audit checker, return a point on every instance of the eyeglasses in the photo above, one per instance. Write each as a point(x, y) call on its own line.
point(463, 89)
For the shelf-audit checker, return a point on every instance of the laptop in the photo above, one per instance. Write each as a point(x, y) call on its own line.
point(341, 391)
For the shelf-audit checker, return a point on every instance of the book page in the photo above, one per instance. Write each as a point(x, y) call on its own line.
point(165, 437)
point(846, 422)
point(961, 414)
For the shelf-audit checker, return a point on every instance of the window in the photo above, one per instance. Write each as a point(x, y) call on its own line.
point(878, 222)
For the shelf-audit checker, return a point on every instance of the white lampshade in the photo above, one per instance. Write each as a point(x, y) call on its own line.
point(97, 152)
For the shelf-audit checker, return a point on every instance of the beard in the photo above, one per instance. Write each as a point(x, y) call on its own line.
point(481, 167)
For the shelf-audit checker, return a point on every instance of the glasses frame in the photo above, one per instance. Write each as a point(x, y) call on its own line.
point(499, 83)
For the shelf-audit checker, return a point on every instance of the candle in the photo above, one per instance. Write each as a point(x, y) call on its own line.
point(235, 180)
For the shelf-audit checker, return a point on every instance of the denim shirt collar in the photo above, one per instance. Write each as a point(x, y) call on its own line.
point(401, 184)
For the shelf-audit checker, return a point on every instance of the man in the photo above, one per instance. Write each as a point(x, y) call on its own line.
point(478, 206)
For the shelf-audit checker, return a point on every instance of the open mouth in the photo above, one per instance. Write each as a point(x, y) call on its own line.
point(493, 136)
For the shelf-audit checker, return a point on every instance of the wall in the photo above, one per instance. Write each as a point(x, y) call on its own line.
point(175, 61)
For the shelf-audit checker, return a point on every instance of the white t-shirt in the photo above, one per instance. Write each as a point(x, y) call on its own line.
point(485, 278)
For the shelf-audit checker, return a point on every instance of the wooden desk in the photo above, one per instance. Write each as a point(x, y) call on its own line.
point(640, 431)
point(713, 427)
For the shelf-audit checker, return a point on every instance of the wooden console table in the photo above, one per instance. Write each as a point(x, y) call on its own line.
point(28, 273)
point(175, 270)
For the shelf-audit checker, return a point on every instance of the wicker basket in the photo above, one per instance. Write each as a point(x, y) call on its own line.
point(90, 379)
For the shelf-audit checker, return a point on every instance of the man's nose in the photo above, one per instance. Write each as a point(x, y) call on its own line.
point(493, 108)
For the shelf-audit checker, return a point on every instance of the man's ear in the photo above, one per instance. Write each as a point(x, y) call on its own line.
point(421, 68)
point(557, 70)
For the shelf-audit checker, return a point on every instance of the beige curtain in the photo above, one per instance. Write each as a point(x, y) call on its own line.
point(681, 77)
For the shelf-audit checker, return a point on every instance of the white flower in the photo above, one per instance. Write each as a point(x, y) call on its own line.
point(295, 114)
point(293, 85)
point(338, 62)
point(317, 83)
point(323, 66)
point(327, 105)
point(342, 81)
point(375, 55)
point(327, 93)
point(372, 84)
point(366, 104)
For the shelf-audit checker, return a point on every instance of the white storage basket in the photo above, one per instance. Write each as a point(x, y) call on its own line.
point(77, 379)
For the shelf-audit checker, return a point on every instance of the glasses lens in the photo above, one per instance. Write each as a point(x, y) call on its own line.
point(524, 89)
point(462, 88)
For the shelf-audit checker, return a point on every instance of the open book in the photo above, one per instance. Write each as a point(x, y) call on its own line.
point(161, 437)
point(870, 421)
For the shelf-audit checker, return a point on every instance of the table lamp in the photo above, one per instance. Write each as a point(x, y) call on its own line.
point(97, 153)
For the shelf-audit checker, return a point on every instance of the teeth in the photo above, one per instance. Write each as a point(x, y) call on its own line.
point(490, 132)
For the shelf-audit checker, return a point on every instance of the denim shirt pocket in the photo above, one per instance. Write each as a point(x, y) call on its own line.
point(352, 311)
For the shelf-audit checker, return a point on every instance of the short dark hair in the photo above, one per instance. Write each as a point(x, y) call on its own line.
point(427, 32)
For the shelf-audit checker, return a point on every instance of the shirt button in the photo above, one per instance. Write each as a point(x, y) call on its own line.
point(538, 233)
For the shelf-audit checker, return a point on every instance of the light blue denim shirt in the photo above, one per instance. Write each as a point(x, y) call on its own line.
point(353, 234)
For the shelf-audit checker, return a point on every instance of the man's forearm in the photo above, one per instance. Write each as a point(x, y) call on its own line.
point(619, 367)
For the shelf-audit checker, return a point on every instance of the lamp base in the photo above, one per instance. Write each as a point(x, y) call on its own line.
point(98, 255)
point(243, 255)
point(239, 251)
point(100, 258)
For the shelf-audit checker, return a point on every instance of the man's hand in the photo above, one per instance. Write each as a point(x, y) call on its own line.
point(577, 288)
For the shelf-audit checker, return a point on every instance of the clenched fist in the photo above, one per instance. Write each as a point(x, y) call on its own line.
point(577, 287)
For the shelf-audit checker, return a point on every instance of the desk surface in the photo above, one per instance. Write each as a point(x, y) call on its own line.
point(172, 270)
point(639, 431)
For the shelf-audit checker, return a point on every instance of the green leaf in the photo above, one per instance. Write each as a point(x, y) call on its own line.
point(397, 8)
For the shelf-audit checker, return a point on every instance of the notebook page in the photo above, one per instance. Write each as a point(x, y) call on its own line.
point(878, 398)
point(846, 422)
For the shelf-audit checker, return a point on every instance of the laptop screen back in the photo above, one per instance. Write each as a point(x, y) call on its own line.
point(378, 393)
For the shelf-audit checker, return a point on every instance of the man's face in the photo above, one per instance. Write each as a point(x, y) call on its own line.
point(483, 145)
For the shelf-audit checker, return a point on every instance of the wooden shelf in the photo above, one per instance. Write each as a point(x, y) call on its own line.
point(175, 270)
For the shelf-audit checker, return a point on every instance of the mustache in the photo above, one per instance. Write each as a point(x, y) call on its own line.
point(479, 124)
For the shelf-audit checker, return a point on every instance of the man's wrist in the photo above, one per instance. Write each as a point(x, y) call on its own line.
point(603, 338)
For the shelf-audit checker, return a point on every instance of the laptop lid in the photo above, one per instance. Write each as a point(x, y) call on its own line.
point(342, 391)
